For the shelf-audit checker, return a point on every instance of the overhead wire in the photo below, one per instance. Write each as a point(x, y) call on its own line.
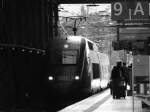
point(64, 30)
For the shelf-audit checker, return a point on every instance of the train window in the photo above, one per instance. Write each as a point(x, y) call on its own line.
point(95, 70)
point(90, 45)
point(69, 57)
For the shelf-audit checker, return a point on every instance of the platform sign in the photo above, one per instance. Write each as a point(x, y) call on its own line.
point(141, 65)
point(118, 11)
point(134, 33)
point(130, 10)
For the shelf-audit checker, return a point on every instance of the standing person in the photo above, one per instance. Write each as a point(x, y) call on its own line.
point(130, 75)
point(115, 79)
point(123, 81)
point(125, 73)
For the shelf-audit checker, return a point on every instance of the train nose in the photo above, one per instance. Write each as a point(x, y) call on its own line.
point(63, 88)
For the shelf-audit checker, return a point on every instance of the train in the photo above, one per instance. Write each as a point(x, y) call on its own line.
point(77, 67)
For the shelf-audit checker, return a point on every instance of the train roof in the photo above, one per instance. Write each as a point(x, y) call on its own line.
point(81, 38)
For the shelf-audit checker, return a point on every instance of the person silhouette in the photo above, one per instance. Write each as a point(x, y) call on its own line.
point(116, 75)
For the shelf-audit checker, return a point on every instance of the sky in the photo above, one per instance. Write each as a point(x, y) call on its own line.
point(75, 9)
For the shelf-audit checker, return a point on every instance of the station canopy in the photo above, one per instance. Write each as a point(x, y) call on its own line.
point(92, 1)
point(132, 14)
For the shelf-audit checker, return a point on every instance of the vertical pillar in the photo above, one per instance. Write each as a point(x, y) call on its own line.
point(118, 33)
point(50, 19)
point(56, 19)
point(141, 87)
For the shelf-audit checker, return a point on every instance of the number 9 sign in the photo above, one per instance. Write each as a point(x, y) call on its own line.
point(118, 11)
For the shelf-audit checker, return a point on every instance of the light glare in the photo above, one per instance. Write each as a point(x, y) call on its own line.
point(66, 46)
point(50, 78)
point(77, 78)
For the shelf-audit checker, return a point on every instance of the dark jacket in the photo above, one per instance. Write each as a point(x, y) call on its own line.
point(116, 73)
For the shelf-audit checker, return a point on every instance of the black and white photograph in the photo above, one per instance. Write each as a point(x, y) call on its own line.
point(74, 56)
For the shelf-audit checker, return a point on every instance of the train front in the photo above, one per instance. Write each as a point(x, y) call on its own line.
point(65, 66)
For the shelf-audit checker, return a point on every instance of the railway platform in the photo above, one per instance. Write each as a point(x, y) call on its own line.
point(104, 102)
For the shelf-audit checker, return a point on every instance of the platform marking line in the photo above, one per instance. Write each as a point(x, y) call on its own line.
point(95, 106)
point(86, 103)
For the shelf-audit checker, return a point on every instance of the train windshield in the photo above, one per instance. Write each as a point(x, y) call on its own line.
point(63, 56)
point(69, 57)
point(64, 53)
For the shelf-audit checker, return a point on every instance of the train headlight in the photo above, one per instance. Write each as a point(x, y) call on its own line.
point(77, 77)
point(66, 46)
point(50, 78)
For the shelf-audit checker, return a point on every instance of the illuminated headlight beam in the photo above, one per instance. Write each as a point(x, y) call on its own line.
point(77, 77)
point(50, 78)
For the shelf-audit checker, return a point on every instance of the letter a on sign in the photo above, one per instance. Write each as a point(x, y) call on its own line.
point(138, 9)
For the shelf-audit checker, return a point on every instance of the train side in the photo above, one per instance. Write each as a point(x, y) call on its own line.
point(76, 67)
point(105, 69)
point(98, 67)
